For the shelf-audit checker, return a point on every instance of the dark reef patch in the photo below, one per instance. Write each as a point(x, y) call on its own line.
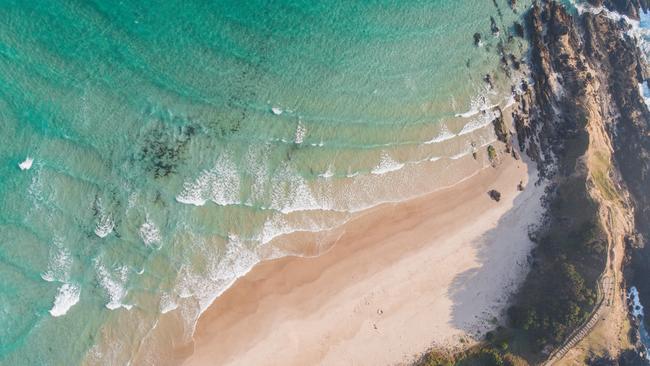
point(162, 147)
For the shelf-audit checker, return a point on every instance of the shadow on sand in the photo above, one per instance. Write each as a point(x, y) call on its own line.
point(480, 295)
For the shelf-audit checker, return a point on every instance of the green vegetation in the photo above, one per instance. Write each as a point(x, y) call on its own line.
point(492, 153)
point(600, 167)
point(434, 359)
point(559, 292)
point(479, 356)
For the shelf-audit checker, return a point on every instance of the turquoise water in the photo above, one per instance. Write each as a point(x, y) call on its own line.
point(175, 144)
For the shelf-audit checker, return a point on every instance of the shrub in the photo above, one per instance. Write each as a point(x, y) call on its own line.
point(492, 153)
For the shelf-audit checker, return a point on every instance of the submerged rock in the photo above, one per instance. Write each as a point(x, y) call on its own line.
point(477, 39)
point(488, 80)
point(516, 64)
point(493, 27)
point(519, 29)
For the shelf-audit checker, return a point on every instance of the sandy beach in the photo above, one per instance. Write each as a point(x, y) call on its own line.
point(435, 271)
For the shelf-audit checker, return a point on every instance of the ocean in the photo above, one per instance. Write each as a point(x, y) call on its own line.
point(153, 151)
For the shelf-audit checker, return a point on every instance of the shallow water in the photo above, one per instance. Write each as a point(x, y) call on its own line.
point(172, 143)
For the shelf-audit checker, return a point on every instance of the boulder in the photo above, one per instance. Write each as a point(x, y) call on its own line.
point(495, 195)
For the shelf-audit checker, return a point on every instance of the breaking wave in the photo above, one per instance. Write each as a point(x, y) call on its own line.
point(386, 165)
point(114, 285)
point(66, 298)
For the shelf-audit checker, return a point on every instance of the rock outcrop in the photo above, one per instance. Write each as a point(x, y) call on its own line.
point(630, 8)
point(552, 110)
point(500, 128)
point(631, 131)
point(584, 122)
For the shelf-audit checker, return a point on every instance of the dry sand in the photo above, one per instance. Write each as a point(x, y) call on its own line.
point(400, 279)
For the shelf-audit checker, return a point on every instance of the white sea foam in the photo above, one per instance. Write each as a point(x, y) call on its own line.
point(290, 192)
point(273, 227)
point(26, 164)
point(258, 168)
point(327, 174)
point(472, 112)
point(133, 199)
point(645, 93)
point(637, 308)
point(301, 132)
point(277, 225)
point(643, 41)
point(453, 102)
point(444, 135)
point(104, 225)
point(484, 118)
point(386, 165)
point(113, 284)
point(317, 144)
point(637, 29)
point(276, 110)
point(66, 298)
point(637, 311)
point(149, 233)
point(643, 33)
point(195, 193)
point(613, 15)
point(220, 185)
point(478, 104)
point(461, 154)
point(36, 188)
point(223, 270)
point(59, 265)
point(167, 303)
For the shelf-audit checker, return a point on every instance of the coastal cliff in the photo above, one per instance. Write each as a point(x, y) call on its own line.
point(581, 118)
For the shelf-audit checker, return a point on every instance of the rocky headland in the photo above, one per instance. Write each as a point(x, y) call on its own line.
point(580, 117)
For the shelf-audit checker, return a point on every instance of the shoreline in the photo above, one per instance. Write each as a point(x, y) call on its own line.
point(381, 250)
